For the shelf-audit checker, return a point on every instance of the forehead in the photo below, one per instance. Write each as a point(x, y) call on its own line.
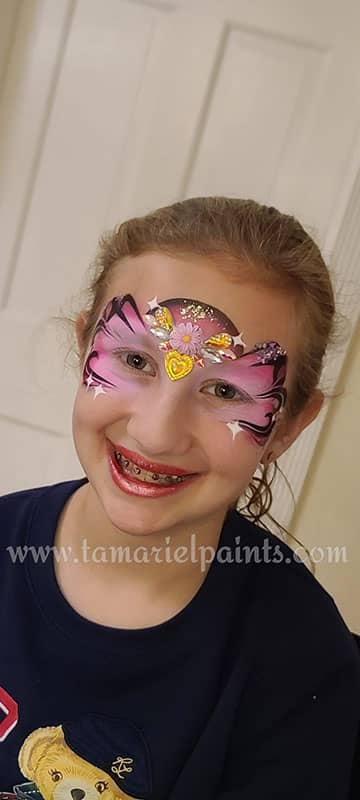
point(262, 313)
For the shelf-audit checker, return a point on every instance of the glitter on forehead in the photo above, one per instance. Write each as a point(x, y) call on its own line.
point(193, 311)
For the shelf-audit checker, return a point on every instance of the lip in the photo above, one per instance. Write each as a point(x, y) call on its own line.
point(138, 488)
point(150, 466)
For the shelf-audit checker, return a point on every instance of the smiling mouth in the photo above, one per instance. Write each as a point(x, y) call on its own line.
point(155, 478)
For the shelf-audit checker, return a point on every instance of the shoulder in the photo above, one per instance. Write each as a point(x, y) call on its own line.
point(297, 620)
point(17, 508)
point(17, 505)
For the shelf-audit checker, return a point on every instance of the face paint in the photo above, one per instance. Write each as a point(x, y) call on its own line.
point(191, 333)
point(199, 342)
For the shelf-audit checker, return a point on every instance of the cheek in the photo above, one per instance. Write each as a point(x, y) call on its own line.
point(237, 426)
point(254, 420)
point(231, 456)
point(93, 410)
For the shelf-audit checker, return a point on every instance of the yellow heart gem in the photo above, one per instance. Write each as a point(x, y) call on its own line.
point(177, 365)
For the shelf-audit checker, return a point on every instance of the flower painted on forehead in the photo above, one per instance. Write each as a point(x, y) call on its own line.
point(186, 338)
point(184, 342)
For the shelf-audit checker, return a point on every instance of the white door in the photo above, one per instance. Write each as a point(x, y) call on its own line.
point(110, 109)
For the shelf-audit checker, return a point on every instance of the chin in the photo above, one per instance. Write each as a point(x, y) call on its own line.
point(133, 518)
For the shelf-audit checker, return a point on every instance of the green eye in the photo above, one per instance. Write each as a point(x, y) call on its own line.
point(135, 361)
point(225, 391)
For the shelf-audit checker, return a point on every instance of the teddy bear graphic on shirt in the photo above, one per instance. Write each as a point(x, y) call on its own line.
point(83, 759)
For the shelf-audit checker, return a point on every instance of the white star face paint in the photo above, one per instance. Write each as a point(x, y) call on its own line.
point(198, 343)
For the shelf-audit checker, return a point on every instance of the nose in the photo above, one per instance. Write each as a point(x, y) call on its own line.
point(77, 794)
point(162, 424)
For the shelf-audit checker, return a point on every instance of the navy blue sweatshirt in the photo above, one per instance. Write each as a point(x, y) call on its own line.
point(250, 692)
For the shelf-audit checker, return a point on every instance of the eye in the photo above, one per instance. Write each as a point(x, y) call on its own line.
point(134, 360)
point(101, 786)
point(225, 391)
point(56, 775)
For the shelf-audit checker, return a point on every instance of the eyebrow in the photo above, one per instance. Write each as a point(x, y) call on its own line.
point(144, 339)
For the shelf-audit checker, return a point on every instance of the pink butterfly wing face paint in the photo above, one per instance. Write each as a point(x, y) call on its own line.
point(201, 343)
point(120, 326)
point(260, 398)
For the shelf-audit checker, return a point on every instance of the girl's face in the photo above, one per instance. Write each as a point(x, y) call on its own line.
point(188, 371)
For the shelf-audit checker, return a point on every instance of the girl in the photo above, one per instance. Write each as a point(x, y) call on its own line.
point(157, 643)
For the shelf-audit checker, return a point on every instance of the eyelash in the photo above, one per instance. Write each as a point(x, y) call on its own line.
point(241, 395)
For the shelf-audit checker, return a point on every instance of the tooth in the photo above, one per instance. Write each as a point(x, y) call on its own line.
point(146, 476)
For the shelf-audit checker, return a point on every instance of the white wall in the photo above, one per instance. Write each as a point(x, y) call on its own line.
point(328, 512)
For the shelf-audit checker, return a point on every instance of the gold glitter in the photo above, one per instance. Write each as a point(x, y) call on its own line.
point(196, 311)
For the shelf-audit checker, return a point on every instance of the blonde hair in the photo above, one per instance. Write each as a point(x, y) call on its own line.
point(253, 239)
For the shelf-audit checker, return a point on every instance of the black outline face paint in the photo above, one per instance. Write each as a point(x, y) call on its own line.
point(196, 341)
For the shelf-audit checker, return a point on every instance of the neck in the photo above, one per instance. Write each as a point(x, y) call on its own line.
point(156, 561)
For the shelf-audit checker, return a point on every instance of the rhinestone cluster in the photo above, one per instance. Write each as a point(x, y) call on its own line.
point(270, 351)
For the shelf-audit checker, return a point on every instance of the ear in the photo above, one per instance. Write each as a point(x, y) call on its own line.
point(290, 431)
point(35, 746)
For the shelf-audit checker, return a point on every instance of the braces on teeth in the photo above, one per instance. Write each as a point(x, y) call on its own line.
point(149, 477)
